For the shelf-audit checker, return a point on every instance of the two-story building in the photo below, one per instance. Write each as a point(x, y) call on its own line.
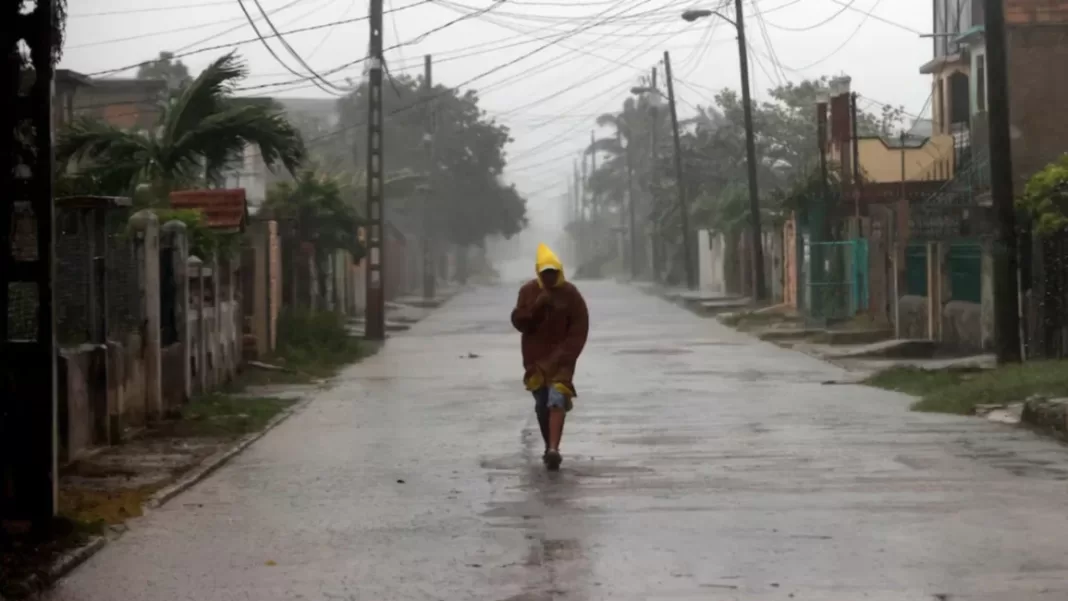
point(1037, 47)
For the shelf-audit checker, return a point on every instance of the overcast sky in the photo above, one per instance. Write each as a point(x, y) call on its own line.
point(583, 56)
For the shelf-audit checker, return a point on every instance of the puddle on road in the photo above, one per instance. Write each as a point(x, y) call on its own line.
point(658, 439)
point(654, 351)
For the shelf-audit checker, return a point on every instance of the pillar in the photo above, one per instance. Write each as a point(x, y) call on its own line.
point(176, 237)
point(145, 227)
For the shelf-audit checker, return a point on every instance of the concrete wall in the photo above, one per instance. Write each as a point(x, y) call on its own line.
point(710, 258)
point(881, 161)
point(214, 328)
point(961, 328)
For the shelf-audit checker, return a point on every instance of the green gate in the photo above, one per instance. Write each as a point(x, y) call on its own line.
point(836, 280)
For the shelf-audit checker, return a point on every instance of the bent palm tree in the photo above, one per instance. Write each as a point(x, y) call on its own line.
point(202, 129)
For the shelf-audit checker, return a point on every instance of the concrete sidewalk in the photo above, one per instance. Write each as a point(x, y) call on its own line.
point(700, 464)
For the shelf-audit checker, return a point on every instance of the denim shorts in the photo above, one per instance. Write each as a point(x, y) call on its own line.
point(551, 398)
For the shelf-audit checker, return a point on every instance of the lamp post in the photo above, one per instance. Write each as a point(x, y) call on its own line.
point(684, 209)
point(759, 289)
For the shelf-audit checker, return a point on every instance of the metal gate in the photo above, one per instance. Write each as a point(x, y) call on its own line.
point(836, 280)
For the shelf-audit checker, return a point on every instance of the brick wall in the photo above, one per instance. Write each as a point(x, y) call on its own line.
point(1038, 88)
point(1031, 12)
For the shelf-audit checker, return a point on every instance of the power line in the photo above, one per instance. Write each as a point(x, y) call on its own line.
point(344, 15)
point(316, 78)
point(883, 19)
point(844, 8)
point(131, 11)
point(153, 34)
point(847, 40)
point(454, 89)
point(228, 45)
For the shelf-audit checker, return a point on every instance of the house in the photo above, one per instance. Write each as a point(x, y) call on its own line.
point(65, 87)
point(957, 269)
point(123, 102)
point(252, 173)
point(858, 233)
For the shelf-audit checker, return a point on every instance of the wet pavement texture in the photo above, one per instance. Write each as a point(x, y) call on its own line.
point(700, 463)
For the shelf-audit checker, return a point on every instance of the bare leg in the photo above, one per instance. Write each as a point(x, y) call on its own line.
point(556, 427)
point(543, 423)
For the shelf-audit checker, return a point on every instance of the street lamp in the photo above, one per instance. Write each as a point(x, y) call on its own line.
point(759, 289)
point(684, 210)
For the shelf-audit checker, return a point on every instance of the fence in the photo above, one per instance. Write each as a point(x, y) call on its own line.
point(836, 279)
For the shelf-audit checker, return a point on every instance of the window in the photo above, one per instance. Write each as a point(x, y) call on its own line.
point(980, 82)
point(939, 110)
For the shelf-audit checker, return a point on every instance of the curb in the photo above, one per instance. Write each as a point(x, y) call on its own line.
point(76, 557)
point(218, 459)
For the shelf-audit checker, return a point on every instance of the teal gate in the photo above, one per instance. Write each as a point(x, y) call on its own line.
point(836, 280)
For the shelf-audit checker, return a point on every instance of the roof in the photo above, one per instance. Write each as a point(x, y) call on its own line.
point(92, 202)
point(66, 76)
point(129, 82)
point(223, 209)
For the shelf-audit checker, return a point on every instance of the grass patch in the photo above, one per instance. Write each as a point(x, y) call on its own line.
point(220, 415)
point(960, 390)
point(749, 320)
point(317, 344)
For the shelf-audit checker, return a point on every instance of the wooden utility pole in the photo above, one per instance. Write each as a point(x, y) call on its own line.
point(631, 228)
point(680, 187)
point(376, 297)
point(29, 473)
point(593, 169)
point(1006, 301)
point(856, 158)
point(429, 282)
point(654, 175)
point(759, 289)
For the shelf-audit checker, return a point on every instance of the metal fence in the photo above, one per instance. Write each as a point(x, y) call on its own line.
point(836, 280)
point(125, 312)
point(22, 296)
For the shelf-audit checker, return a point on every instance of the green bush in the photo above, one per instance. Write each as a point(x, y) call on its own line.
point(316, 342)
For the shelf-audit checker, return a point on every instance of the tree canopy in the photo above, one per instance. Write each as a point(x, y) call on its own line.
point(469, 199)
point(714, 154)
point(166, 67)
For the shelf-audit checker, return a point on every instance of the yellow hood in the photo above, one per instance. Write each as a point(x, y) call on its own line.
point(546, 258)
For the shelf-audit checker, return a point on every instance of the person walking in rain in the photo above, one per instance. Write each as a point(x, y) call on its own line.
point(552, 317)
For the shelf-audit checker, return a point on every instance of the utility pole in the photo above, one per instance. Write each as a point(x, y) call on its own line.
point(376, 299)
point(428, 257)
point(654, 177)
point(680, 187)
point(593, 169)
point(855, 149)
point(375, 329)
point(759, 290)
point(630, 211)
point(1006, 301)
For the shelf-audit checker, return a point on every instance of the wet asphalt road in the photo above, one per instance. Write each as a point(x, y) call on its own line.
point(700, 464)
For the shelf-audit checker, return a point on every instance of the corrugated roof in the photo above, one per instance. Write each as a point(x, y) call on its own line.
point(224, 209)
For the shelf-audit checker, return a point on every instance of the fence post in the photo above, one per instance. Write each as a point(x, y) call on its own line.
point(196, 351)
point(145, 225)
point(175, 236)
point(217, 354)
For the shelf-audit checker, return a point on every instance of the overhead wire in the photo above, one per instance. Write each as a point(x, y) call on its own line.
point(315, 79)
point(229, 45)
point(846, 42)
point(131, 11)
point(322, 41)
point(454, 89)
point(780, 75)
point(844, 7)
point(849, 6)
point(154, 34)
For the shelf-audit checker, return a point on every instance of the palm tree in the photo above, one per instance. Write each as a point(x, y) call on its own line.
point(202, 129)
